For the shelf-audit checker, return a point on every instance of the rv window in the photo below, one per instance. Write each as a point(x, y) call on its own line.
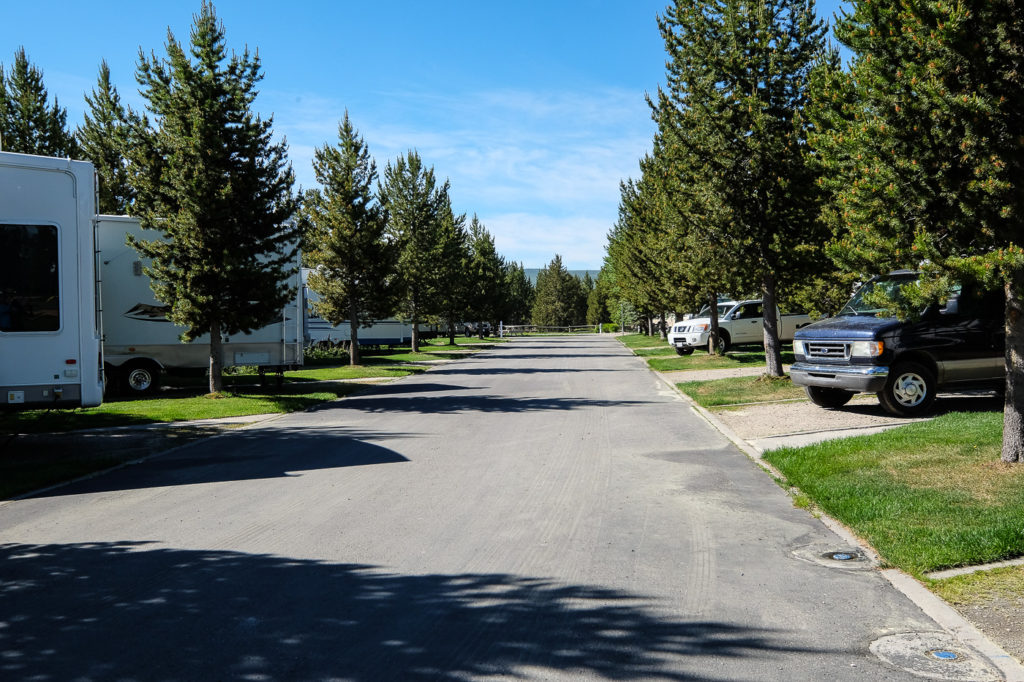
point(29, 278)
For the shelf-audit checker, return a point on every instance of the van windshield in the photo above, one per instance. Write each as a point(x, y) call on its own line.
point(891, 285)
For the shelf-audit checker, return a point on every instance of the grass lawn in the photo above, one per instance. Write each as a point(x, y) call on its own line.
point(183, 406)
point(441, 343)
point(927, 496)
point(634, 341)
point(703, 360)
point(655, 351)
point(344, 372)
point(735, 390)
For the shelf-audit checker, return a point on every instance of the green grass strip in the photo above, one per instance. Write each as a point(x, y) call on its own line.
point(735, 390)
point(927, 496)
point(183, 407)
point(702, 360)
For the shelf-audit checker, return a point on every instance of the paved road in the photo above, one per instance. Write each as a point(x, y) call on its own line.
point(544, 510)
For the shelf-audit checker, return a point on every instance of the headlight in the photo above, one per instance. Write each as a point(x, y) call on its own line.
point(798, 347)
point(701, 327)
point(866, 349)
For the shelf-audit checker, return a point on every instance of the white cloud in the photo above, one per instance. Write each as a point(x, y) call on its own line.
point(547, 165)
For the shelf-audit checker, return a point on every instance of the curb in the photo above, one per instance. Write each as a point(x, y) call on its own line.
point(935, 608)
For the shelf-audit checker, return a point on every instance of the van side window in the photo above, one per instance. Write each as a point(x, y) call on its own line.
point(29, 278)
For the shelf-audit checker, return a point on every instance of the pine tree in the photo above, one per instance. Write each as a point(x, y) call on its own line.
point(103, 140)
point(925, 159)
point(557, 299)
point(518, 293)
point(415, 202)
point(212, 182)
point(643, 244)
point(452, 286)
point(597, 299)
point(344, 237)
point(732, 119)
point(486, 275)
point(27, 123)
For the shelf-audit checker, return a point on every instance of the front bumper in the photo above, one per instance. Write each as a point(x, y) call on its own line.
point(860, 379)
point(691, 340)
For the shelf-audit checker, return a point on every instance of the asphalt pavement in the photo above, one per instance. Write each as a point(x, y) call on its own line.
point(548, 509)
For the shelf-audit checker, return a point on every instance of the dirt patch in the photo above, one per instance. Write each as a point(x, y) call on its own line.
point(1001, 620)
point(764, 420)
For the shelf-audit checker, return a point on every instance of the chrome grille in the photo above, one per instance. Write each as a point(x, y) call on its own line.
point(827, 350)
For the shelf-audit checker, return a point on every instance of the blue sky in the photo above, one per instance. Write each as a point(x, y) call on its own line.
point(533, 109)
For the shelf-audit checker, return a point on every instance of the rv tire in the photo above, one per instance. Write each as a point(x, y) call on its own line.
point(140, 377)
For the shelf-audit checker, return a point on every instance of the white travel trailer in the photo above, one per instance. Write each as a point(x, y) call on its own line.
point(50, 352)
point(139, 341)
point(388, 332)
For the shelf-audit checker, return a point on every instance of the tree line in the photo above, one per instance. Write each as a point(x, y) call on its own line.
point(200, 168)
point(777, 171)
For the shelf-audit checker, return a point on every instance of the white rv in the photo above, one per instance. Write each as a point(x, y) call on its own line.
point(388, 332)
point(50, 352)
point(139, 341)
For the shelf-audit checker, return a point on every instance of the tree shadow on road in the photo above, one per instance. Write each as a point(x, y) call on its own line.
point(133, 611)
point(249, 454)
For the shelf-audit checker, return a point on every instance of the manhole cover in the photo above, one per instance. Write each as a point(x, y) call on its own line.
point(849, 558)
point(842, 556)
point(934, 655)
point(944, 654)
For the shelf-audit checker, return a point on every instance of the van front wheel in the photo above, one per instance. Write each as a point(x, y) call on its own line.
point(910, 390)
point(827, 397)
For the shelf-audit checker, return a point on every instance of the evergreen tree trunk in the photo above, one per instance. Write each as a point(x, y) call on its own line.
point(770, 312)
point(353, 333)
point(713, 316)
point(451, 331)
point(662, 326)
point(1013, 406)
point(216, 350)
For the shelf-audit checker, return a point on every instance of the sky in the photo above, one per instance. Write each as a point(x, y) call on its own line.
point(534, 110)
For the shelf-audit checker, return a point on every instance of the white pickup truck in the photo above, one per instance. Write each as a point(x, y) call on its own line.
point(739, 323)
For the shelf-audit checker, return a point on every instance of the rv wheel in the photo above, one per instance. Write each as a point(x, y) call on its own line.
point(141, 378)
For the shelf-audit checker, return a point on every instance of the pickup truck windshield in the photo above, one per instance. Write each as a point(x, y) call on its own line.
point(723, 308)
point(893, 287)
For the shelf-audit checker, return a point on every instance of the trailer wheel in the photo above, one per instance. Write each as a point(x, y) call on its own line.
point(828, 397)
point(910, 390)
point(141, 378)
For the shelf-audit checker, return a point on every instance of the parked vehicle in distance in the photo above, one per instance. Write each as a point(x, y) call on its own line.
point(50, 349)
point(140, 343)
point(694, 322)
point(957, 345)
point(739, 323)
point(476, 328)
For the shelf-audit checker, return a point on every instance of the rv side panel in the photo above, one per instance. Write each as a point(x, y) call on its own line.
point(50, 353)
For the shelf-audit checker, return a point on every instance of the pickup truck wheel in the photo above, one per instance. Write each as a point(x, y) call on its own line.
point(828, 397)
point(141, 378)
point(684, 350)
point(723, 342)
point(910, 390)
